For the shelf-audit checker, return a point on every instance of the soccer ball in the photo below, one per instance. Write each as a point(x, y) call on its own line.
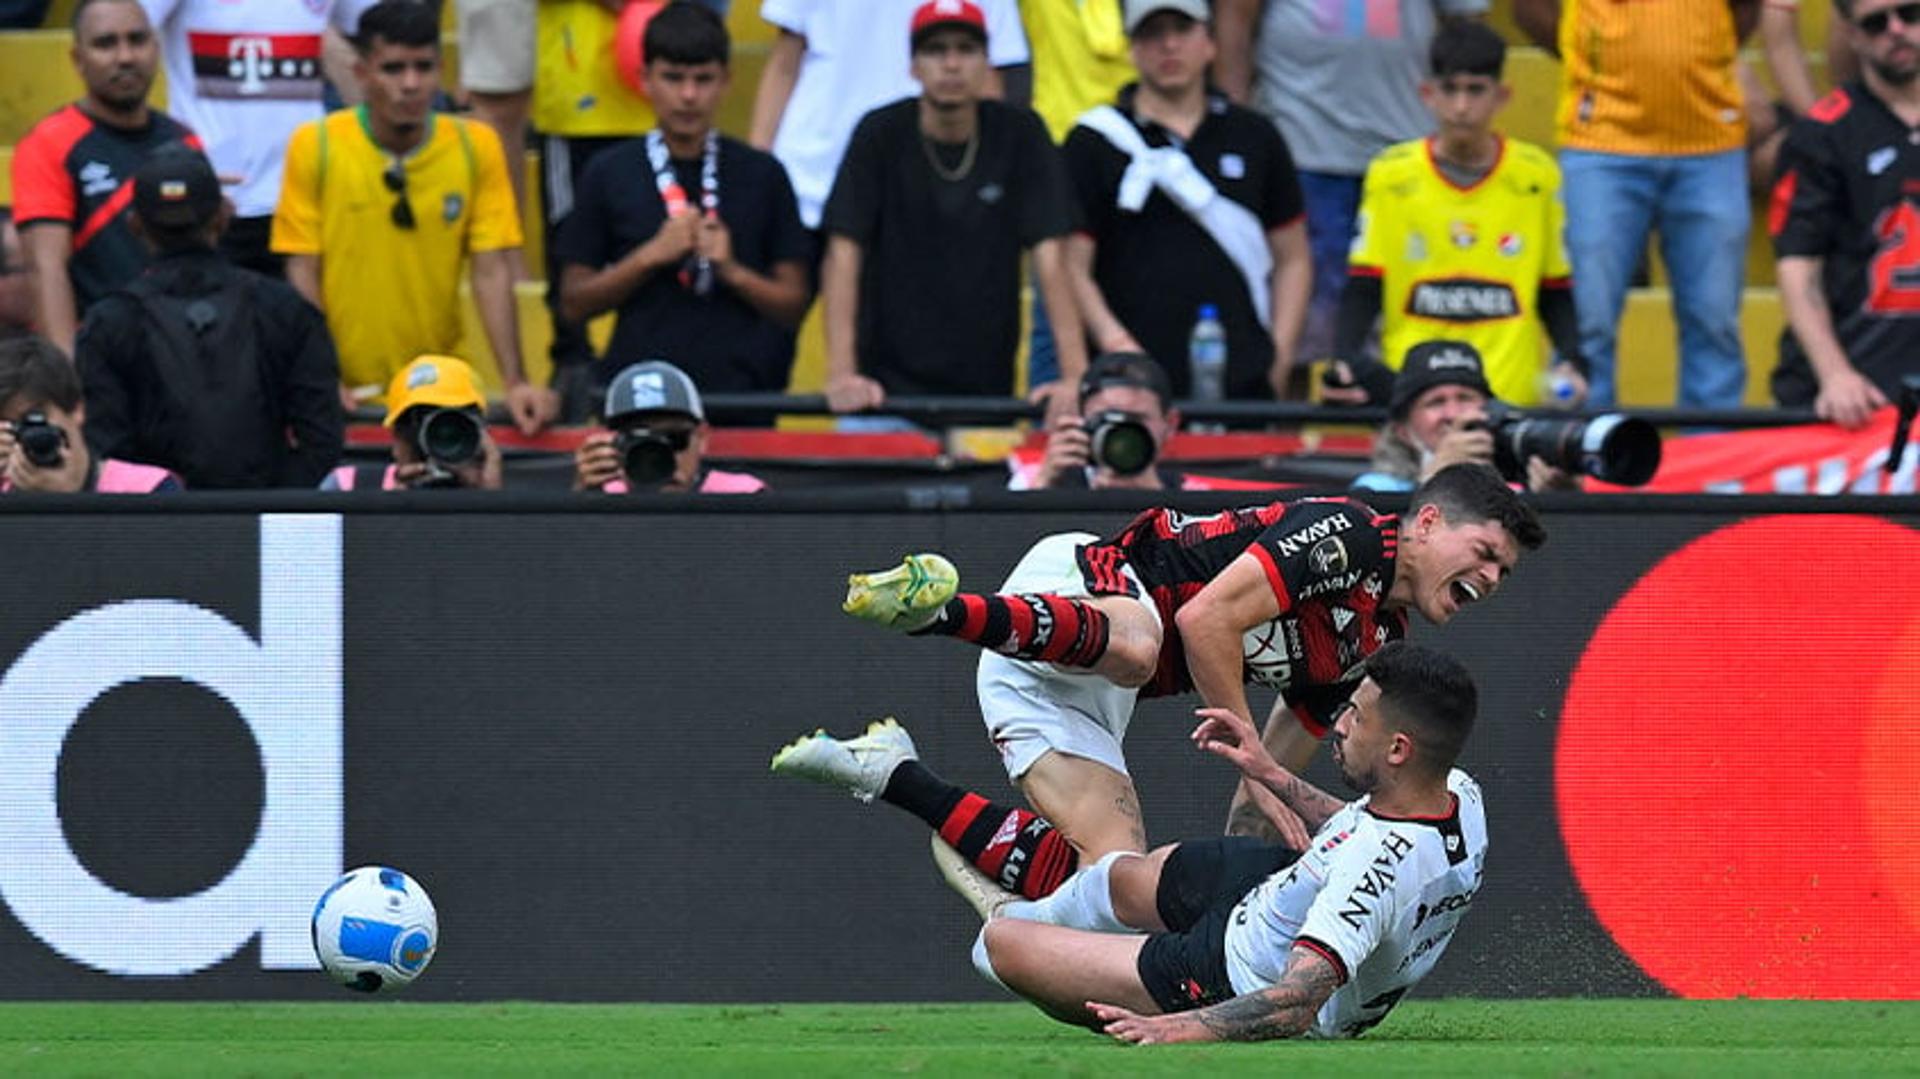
point(375, 930)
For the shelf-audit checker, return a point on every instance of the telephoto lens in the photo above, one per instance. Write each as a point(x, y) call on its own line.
point(647, 457)
point(41, 442)
point(450, 436)
point(1613, 448)
point(1121, 443)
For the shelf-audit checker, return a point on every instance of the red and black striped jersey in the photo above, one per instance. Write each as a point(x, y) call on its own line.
point(74, 171)
point(1848, 193)
point(1330, 562)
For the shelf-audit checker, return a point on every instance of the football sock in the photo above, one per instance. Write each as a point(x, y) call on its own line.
point(1014, 846)
point(1044, 627)
point(1084, 901)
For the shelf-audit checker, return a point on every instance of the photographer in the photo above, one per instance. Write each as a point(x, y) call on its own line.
point(437, 413)
point(41, 413)
point(1439, 417)
point(656, 437)
point(1113, 443)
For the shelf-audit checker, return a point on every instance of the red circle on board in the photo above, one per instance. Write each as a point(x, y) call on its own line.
point(1735, 763)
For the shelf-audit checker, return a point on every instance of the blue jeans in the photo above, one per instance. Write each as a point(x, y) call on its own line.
point(1698, 205)
point(1043, 357)
point(1332, 202)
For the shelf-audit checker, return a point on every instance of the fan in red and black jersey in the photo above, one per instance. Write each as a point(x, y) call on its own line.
point(1845, 220)
point(1293, 595)
point(73, 173)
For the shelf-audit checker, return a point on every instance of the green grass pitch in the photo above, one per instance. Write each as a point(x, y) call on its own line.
point(1453, 1037)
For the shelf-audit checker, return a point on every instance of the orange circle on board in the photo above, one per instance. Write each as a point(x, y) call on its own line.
point(1735, 763)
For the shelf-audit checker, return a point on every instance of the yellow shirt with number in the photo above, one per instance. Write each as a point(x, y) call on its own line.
point(1650, 77)
point(577, 91)
point(1464, 263)
point(392, 293)
point(1080, 58)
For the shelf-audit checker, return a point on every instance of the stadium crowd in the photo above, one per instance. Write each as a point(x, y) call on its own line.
point(1203, 200)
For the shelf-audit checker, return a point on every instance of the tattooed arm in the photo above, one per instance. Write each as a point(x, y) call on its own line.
point(1283, 1010)
point(1229, 735)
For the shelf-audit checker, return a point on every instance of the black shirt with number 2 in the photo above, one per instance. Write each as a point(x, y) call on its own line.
point(1846, 188)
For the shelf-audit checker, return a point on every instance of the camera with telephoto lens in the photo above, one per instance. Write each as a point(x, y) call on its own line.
point(1121, 442)
point(1612, 448)
point(40, 440)
point(447, 438)
point(647, 456)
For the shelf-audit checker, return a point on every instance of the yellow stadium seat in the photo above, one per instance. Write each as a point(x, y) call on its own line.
point(6, 176)
point(1648, 351)
point(36, 77)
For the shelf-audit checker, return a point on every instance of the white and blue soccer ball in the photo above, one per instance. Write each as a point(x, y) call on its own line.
point(375, 930)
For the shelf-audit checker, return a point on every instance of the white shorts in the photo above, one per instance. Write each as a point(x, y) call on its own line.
point(1032, 708)
point(496, 44)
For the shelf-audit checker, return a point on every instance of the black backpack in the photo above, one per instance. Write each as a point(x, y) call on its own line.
point(216, 415)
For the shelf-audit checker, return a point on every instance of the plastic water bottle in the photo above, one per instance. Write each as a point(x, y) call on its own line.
point(1207, 358)
point(1556, 389)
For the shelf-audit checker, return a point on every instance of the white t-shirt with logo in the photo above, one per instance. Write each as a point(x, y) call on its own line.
point(858, 58)
point(1379, 897)
point(243, 74)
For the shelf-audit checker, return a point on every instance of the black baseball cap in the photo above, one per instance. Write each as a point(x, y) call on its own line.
point(1437, 363)
point(175, 189)
point(1126, 369)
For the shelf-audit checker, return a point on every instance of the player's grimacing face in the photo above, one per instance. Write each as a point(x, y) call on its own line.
point(1453, 565)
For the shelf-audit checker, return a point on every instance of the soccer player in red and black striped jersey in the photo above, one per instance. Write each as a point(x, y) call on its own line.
point(73, 173)
point(1291, 595)
point(1845, 221)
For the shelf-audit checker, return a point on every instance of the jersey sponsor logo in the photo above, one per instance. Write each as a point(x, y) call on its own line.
point(1446, 905)
point(1423, 947)
point(1372, 586)
point(265, 66)
point(1463, 299)
point(1878, 160)
point(1511, 244)
point(1328, 556)
point(1376, 881)
point(1290, 629)
point(1292, 543)
point(1330, 584)
point(1342, 618)
point(1464, 234)
point(96, 179)
point(1416, 247)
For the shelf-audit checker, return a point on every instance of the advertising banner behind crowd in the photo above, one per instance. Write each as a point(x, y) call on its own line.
point(1821, 459)
point(1696, 740)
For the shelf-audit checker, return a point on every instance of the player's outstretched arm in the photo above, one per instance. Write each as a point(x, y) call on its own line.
point(1212, 624)
point(1230, 736)
point(1283, 1010)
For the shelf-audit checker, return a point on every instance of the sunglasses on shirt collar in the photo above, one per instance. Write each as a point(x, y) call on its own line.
point(396, 180)
point(1875, 24)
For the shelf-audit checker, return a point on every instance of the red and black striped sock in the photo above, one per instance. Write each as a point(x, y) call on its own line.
point(1046, 627)
point(1021, 850)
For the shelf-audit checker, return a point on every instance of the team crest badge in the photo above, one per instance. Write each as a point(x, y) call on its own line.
point(451, 206)
point(1464, 234)
point(1416, 247)
point(1510, 244)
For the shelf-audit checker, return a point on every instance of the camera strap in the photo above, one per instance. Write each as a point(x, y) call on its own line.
point(697, 273)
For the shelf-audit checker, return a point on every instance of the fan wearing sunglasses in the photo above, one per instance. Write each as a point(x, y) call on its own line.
point(655, 439)
point(384, 208)
point(1846, 227)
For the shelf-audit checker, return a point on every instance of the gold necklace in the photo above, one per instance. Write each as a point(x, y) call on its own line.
point(960, 171)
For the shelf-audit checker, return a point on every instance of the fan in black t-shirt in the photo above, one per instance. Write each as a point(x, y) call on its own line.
point(934, 203)
point(1846, 231)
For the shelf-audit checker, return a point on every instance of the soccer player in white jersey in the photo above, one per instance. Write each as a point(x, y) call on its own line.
point(1234, 939)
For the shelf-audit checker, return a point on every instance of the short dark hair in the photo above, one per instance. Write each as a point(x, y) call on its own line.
point(686, 33)
point(398, 22)
point(1470, 494)
point(80, 9)
point(1845, 7)
point(34, 369)
point(1429, 694)
point(1467, 48)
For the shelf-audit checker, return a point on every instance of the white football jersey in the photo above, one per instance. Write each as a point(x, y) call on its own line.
point(1378, 896)
point(243, 74)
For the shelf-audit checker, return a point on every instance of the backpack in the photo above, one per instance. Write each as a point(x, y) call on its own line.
point(218, 405)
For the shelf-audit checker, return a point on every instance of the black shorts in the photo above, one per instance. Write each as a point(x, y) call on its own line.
point(1186, 967)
